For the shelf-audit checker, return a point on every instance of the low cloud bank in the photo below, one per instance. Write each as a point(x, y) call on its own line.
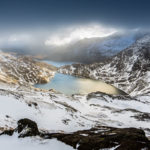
point(70, 43)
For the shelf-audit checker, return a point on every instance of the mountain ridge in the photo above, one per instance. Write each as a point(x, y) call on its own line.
point(130, 66)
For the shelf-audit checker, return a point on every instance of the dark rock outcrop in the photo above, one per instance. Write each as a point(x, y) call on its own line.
point(8, 132)
point(101, 95)
point(27, 127)
point(105, 137)
point(142, 117)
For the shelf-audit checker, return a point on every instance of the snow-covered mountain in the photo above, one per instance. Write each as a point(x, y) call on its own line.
point(89, 50)
point(90, 121)
point(98, 49)
point(129, 70)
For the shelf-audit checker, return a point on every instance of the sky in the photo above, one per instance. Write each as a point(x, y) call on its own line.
point(23, 14)
point(45, 23)
point(43, 13)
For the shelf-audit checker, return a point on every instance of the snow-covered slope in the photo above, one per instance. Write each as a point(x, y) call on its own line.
point(129, 70)
point(57, 113)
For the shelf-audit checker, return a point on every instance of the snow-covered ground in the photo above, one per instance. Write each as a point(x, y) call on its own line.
point(57, 113)
point(35, 143)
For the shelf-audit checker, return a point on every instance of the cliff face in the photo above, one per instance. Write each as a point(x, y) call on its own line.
point(24, 70)
point(129, 70)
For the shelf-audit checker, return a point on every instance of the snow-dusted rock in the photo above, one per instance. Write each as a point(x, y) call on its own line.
point(24, 70)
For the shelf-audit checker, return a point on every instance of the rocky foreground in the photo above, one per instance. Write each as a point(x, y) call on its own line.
point(96, 138)
point(93, 121)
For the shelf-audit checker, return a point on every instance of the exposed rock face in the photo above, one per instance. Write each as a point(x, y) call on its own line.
point(24, 70)
point(105, 137)
point(8, 132)
point(129, 70)
point(142, 116)
point(27, 127)
point(93, 139)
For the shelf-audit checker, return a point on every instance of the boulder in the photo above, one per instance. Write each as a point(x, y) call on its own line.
point(27, 127)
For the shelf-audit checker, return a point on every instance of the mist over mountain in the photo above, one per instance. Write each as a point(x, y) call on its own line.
point(95, 49)
point(85, 44)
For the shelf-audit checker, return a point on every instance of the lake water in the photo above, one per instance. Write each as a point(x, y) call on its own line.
point(73, 85)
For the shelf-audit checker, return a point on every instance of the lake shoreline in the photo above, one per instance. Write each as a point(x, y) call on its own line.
point(68, 84)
